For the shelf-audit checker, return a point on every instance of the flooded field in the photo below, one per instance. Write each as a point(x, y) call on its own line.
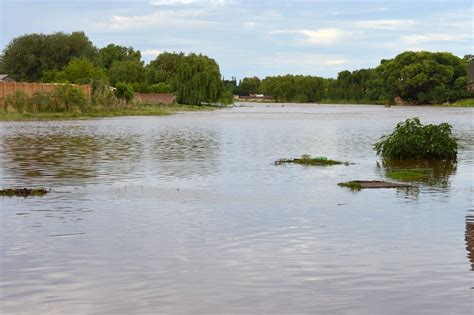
point(189, 214)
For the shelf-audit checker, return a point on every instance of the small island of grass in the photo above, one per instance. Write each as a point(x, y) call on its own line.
point(23, 192)
point(306, 159)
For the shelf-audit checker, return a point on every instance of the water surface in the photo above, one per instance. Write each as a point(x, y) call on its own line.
point(188, 214)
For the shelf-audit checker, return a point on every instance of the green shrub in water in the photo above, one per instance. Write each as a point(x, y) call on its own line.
point(413, 141)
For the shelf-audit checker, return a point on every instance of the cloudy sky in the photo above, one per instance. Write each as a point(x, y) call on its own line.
point(249, 37)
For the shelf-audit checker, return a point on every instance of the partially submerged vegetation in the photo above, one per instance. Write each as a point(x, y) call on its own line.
point(23, 192)
point(357, 185)
point(430, 172)
point(413, 141)
point(306, 159)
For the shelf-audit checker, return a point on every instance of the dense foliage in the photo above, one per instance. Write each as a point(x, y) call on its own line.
point(294, 88)
point(72, 58)
point(416, 77)
point(126, 71)
point(124, 91)
point(27, 57)
point(413, 141)
point(195, 79)
point(78, 70)
point(421, 77)
point(112, 53)
point(413, 77)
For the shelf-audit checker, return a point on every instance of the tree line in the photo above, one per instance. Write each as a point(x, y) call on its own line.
point(73, 58)
point(416, 77)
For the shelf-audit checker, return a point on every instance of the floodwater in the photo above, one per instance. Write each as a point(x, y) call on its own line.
point(188, 214)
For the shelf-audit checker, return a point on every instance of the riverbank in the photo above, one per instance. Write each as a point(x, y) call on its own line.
point(144, 110)
point(460, 103)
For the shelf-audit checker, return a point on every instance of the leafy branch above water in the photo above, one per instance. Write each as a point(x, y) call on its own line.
point(413, 141)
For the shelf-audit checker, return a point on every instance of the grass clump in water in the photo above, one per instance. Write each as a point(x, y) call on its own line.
point(24, 192)
point(408, 175)
point(306, 159)
point(354, 185)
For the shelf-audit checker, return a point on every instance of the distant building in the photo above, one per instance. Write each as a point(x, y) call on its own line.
point(6, 78)
point(470, 75)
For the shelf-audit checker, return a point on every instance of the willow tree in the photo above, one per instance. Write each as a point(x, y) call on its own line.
point(195, 79)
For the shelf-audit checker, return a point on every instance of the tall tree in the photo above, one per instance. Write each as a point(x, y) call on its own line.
point(249, 86)
point(194, 78)
point(111, 53)
point(126, 71)
point(26, 57)
point(78, 70)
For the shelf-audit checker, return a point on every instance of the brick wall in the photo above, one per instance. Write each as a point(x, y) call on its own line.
point(10, 88)
point(162, 98)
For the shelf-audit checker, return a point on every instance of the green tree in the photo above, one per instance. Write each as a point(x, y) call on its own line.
point(126, 71)
point(78, 70)
point(124, 91)
point(160, 88)
point(294, 88)
point(27, 57)
point(195, 79)
point(111, 53)
point(423, 77)
point(249, 86)
point(164, 67)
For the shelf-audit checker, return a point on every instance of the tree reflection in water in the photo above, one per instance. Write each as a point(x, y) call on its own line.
point(68, 157)
point(182, 153)
point(470, 237)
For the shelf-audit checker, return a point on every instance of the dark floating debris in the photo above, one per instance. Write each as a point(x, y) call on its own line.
point(24, 192)
point(363, 184)
point(68, 234)
point(306, 159)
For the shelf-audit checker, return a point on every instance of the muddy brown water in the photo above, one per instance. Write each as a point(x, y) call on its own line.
point(188, 214)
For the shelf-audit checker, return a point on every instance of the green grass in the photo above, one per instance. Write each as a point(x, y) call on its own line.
point(143, 110)
point(308, 160)
point(23, 192)
point(352, 185)
point(407, 175)
point(468, 102)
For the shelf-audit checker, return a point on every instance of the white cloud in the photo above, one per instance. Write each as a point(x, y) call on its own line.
point(434, 37)
point(394, 24)
point(151, 52)
point(164, 18)
point(308, 62)
point(326, 36)
point(184, 2)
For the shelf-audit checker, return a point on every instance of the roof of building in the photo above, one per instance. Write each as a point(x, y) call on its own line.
point(3, 76)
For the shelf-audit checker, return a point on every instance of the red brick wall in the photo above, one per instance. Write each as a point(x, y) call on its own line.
point(162, 98)
point(10, 88)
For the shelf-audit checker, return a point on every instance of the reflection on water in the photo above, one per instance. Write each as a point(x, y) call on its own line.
point(70, 157)
point(187, 214)
point(437, 172)
point(470, 237)
point(184, 153)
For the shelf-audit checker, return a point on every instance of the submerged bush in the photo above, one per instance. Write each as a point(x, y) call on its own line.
point(413, 141)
